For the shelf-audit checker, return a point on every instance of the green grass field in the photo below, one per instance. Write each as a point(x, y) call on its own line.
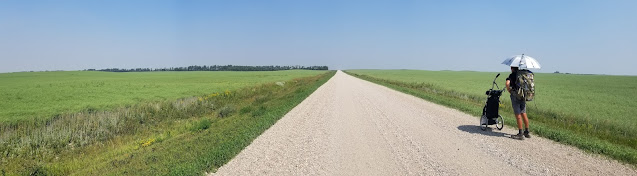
point(574, 109)
point(174, 134)
point(593, 97)
point(41, 95)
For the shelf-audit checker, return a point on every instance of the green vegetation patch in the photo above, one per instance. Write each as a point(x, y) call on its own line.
point(188, 136)
point(588, 111)
point(40, 96)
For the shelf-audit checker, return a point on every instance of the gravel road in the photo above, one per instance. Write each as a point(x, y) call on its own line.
point(353, 127)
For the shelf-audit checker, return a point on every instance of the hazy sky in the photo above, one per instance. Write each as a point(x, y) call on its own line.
point(598, 36)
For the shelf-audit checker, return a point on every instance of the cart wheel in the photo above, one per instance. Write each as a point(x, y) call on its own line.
point(483, 123)
point(499, 122)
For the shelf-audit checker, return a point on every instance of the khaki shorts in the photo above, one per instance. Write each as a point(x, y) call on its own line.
point(519, 107)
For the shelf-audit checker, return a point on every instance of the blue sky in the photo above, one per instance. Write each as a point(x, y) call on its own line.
point(570, 36)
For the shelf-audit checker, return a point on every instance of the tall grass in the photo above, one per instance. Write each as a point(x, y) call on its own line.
point(597, 136)
point(82, 143)
point(42, 140)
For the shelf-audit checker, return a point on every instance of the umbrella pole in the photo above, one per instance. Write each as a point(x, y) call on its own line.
point(520, 64)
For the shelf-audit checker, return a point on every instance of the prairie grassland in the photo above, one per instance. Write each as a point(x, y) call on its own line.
point(183, 136)
point(592, 112)
point(39, 96)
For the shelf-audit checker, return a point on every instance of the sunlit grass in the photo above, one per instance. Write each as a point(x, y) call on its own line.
point(175, 137)
point(31, 96)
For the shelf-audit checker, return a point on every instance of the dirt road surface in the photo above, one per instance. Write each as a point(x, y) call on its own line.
point(353, 127)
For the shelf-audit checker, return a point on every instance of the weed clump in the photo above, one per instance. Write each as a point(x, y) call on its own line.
point(259, 112)
point(200, 125)
point(246, 109)
point(226, 111)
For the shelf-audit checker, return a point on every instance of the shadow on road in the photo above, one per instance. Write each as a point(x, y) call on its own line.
point(476, 129)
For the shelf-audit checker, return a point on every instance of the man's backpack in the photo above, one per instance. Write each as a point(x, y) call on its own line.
point(526, 87)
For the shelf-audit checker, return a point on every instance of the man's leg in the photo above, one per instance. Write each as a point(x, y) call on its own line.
point(519, 136)
point(526, 121)
point(526, 124)
point(517, 109)
point(519, 118)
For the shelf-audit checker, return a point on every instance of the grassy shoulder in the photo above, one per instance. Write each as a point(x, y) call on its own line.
point(545, 123)
point(185, 137)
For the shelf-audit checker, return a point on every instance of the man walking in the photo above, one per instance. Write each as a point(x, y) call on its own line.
point(519, 106)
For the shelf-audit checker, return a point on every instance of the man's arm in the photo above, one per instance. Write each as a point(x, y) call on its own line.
point(508, 85)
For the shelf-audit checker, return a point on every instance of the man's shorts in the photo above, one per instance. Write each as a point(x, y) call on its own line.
point(519, 107)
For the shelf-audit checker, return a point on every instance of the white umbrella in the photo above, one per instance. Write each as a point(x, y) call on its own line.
point(522, 62)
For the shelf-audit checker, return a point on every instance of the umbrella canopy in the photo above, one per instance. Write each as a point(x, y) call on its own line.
point(522, 62)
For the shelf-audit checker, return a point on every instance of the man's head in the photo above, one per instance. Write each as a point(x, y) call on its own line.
point(514, 69)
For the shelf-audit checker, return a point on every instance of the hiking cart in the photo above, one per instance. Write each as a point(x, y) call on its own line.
point(490, 112)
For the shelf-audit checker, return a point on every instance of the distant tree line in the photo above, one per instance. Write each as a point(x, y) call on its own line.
point(215, 68)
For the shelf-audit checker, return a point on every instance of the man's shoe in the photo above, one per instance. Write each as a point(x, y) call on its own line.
point(527, 135)
point(518, 136)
